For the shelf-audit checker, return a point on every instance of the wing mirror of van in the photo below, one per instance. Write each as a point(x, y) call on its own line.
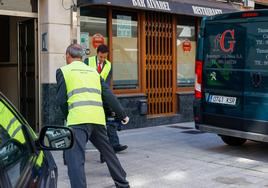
point(56, 138)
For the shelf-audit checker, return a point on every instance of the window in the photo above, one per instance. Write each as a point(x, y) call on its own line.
point(14, 152)
point(93, 28)
point(19, 5)
point(125, 50)
point(186, 49)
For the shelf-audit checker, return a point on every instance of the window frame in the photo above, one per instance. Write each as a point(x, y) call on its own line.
point(110, 43)
point(140, 44)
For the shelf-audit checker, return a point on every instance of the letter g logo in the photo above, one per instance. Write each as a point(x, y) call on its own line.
point(231, 41)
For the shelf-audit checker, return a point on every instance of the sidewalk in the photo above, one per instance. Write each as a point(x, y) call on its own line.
point(174, 156)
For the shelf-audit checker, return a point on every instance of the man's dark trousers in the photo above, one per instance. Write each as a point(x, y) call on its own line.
point(75, 157)
point(112, 132)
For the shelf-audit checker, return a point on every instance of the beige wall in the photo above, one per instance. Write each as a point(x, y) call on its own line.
point(56, 22)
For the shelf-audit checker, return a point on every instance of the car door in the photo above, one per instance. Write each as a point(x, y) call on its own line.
point(21, 164)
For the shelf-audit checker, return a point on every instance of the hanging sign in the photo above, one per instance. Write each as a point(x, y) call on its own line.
point(97, 40)
point(186, 45)
point(84, 40)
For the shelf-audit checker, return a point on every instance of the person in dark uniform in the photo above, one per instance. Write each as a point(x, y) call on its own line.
point(81, 93)
point(104, 68)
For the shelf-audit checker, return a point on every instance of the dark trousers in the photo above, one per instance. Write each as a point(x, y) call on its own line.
point(75, 157)
point(112, 132)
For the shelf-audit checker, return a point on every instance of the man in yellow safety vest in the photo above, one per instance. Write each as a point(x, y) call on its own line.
point(81, 93)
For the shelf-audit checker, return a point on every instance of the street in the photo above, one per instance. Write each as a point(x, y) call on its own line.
point(178, 156)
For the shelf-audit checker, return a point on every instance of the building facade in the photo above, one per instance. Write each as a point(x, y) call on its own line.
point(152, 49)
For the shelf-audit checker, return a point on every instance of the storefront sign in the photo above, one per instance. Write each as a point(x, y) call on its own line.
point(205, 11)
point(123, 26)
point(97, 40)
point(153, 4)
point(195, 8)
point(186, 45)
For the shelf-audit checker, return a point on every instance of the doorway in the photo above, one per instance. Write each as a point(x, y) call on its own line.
point(27, 58)
point(19, 65)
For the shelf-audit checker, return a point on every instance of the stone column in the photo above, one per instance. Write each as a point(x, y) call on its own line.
point(55, 35)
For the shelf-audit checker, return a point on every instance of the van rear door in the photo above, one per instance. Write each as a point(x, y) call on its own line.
point(256, 71)
point(235, 76)
point(223, 68)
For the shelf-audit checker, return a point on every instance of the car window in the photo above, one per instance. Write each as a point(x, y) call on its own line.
point(14, 150)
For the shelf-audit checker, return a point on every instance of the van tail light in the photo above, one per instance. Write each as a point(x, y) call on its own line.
point(198, 79)
point(250, 14)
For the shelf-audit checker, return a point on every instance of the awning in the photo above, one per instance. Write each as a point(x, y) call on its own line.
point(188, 7)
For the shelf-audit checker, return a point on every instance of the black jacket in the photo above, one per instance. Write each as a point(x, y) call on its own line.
point(107, 97)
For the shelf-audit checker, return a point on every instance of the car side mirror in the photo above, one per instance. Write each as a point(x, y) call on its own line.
point(56, 138)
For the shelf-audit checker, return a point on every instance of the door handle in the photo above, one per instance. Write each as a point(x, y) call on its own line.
point(256, 79)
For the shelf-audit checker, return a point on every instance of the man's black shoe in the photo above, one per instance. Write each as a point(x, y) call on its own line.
point(119, 148)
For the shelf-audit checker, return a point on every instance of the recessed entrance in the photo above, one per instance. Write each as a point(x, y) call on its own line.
point(18, 65)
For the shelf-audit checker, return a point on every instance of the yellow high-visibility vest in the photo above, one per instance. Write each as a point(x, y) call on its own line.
point(84, 94)
point(92, 62)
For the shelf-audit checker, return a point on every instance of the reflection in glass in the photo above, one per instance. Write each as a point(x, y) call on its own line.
point(14, 151)
point(11, 159)
point(125, 50)
point(10, 124)
point(92, 22)
point(186, 50)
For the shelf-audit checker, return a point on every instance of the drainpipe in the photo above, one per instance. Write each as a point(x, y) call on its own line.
point(74, 24)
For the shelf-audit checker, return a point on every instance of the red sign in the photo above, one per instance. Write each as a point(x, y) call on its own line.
point(97, 40)
point(186, 45)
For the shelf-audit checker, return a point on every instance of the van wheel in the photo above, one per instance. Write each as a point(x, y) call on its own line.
point(233, 141)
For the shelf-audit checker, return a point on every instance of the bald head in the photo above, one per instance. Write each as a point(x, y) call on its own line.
point(74, 52)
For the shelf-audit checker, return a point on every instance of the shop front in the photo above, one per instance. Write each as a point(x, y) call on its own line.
point(152, 49)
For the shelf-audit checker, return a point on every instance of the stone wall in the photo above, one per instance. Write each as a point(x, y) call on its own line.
point(131, 103)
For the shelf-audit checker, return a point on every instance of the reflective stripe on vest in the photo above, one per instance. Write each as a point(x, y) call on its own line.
point(11, 124)
point(92, 62)
point(84, 103)
point(84, 94)
point(82, 90)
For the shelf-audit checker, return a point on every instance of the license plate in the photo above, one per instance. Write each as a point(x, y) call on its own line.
point(222, 100)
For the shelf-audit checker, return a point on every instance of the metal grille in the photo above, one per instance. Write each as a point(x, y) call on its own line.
point(159, 63)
